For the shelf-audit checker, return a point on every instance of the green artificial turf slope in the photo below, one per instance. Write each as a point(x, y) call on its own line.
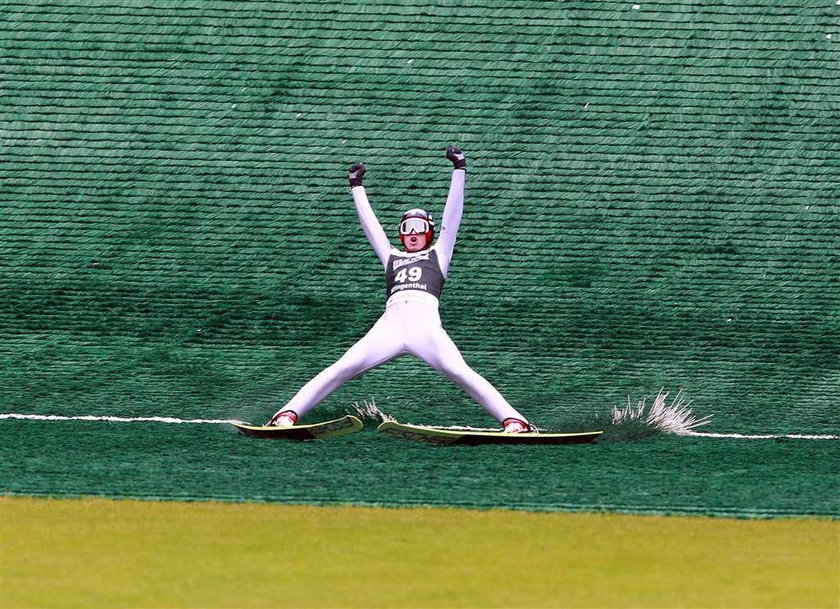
point(659, 475)
point(650, 204)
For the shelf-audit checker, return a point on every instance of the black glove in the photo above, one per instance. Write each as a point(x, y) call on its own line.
point(357, 172)
point(456, 156)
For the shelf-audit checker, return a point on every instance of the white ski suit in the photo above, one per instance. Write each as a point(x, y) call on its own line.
point(411, 322)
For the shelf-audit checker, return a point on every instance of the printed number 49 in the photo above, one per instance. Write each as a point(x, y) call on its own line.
point(413, 274)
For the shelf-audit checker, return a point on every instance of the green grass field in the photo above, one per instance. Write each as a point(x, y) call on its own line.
point(103, 553)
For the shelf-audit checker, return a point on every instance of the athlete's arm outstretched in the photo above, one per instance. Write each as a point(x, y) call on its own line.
point(370, 224)
point(454, 209)
point(411, 321)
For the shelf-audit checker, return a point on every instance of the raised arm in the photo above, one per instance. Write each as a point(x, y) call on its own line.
point(454, 209)
point(370, 224)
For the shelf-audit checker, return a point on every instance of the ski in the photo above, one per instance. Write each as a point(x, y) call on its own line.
point(470, 437)
point(315, 431)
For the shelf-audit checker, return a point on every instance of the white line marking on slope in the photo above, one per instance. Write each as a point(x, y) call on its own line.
point(740, 436)
point(54, 417)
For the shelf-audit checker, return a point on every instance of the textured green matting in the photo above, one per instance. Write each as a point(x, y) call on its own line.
point(679, 476)
point(651, 202)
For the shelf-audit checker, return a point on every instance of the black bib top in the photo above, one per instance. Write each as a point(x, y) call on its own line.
point(414, 271)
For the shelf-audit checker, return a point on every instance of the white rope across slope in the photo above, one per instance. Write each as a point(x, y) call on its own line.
point(53, 417)
point(174, 420)
point(740, 436)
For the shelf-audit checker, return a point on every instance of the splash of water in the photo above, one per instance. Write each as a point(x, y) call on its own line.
point(368, 412)
point(676, 417)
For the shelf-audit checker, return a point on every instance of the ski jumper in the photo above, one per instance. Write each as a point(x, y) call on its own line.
point(411, 321)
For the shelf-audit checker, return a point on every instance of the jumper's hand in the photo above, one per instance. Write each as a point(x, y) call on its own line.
point(456, 156)
point(357, 172)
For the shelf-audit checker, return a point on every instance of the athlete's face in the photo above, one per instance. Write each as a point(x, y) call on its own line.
point(415, 242)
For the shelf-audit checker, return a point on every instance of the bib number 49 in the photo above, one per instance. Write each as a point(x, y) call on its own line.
point(412, 274)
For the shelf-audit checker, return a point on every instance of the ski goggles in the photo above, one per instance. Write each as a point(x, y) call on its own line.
point(414, 225)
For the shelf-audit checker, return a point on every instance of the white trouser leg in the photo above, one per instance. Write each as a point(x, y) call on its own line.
point(433, 345)
point(382, 343)
point(406, 327)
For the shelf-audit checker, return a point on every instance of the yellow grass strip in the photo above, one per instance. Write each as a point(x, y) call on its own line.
point(101, 553)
